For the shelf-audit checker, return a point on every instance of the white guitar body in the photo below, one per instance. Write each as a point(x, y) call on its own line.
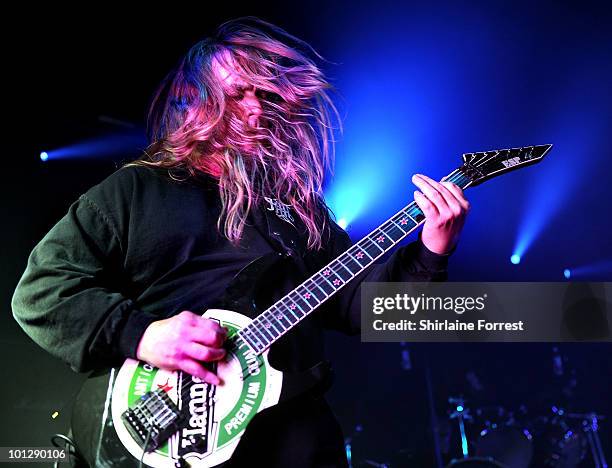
point(217, 414)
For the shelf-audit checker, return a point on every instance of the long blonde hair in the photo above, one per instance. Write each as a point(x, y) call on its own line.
point(195, 125)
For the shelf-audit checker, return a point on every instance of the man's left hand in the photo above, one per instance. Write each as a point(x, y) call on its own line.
point(445, 209)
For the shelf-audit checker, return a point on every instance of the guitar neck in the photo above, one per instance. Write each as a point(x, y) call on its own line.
point(287, 312)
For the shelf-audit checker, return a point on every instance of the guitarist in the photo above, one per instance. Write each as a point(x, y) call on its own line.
point(241, 137)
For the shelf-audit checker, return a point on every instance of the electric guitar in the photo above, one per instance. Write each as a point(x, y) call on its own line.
point(141, 414)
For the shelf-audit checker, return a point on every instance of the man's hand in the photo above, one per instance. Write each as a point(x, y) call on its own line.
point(445, 209)
point(181, 343)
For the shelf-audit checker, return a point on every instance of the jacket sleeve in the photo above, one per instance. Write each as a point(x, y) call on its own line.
point(69, 298)
point(413, 262)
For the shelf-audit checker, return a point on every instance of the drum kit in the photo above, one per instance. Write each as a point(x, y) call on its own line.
point(480, 436)
point(495, 437)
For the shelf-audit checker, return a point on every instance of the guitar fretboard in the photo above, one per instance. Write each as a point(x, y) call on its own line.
point(287, 312)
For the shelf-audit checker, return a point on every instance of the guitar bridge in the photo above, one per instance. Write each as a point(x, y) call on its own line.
point(153, 420)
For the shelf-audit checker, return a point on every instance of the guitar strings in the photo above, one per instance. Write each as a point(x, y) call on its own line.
point(316, 279)
point(412, 210)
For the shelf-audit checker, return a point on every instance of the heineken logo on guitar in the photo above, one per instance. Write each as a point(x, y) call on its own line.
point(199, 414)
point(214, 418)
point(168, 418)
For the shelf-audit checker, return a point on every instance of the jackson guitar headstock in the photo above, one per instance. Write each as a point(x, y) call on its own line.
point(484, 165)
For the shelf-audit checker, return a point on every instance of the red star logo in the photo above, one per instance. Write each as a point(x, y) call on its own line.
point(165, 387)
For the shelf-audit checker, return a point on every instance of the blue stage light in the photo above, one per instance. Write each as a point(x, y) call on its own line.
point(126, 142)
point(459, 408)
point(567, 273)
point(349, 450)
point(346, 202)
point(515, 259)
point(543, 199)
point(596, 270)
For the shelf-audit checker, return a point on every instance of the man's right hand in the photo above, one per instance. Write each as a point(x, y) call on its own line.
point(181, 343)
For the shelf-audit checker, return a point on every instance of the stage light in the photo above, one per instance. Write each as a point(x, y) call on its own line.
point(567, 273)
point(346, 203)
point(515, 259)
point(125, 142)
point(349, 450)
point(599, 269)
point(543, 199)
point(378, 153)
point(460, 408)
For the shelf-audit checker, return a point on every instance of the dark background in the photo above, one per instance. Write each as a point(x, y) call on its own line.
point(419, 85)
